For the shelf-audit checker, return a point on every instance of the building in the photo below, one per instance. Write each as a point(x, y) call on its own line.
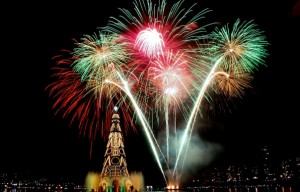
point(114, 174)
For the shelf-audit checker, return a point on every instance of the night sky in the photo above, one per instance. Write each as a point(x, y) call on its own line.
point(33, 139)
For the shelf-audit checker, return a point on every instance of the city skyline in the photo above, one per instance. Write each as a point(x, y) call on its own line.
point(33, 138)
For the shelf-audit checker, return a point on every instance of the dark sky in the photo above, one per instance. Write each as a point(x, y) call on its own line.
point(34, 140)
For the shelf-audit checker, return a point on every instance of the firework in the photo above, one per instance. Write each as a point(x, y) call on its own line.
point(84, 85)
point(153, 28)
point(243, 47)
point(98, 57)
point(156, 63)
point(238, 52)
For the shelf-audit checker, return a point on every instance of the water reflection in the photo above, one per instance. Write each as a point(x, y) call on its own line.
point(246, 189)
point(250, 189)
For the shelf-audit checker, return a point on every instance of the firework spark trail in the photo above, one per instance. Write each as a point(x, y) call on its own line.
point(142, 118)
point(167, 129)
point(169, 73)
point(242, 49)
point(212, 76)
point(189, 125)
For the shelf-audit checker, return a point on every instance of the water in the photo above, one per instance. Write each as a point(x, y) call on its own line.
point(250, 189)
point(245, 189)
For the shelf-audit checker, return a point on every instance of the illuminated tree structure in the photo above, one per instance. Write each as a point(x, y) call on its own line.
point(114, 175)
